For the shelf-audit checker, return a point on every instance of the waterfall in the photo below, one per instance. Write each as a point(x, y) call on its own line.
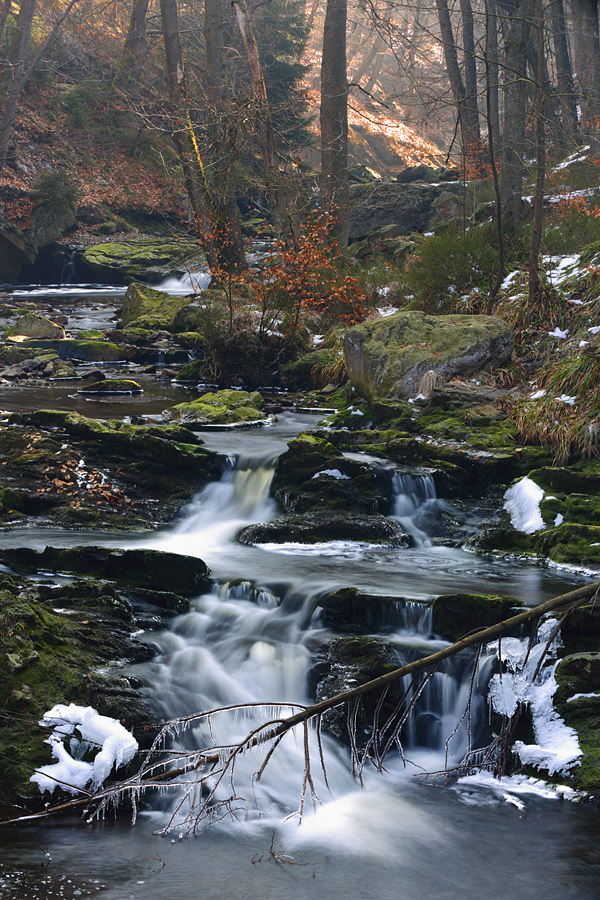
point(414, 495)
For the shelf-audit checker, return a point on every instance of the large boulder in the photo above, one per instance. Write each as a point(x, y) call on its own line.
point(120, 262)
point(227, 407)
point(150, 309)
point(34, 326)
point(388, 357)
point(409, 206)
point(16, 251)
point(49, 221)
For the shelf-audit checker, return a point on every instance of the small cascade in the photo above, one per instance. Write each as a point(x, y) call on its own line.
point(414, 495)
point(190, 283)
point(221, 508)
point(68, 269)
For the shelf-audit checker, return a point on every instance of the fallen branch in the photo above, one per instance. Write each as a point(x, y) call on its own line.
point(219, 760)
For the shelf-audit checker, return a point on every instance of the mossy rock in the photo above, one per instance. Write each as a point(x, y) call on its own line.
point(84, 351)
point(152, 260)
point(149, 309)
point(580, 630)
point(152, 569)
point(352, 661)
point(189, 340)
point(34, 326)
point(502, 539)
point(567, 480)
point(387, 357)
point(191, 372)
point(315, 528)
point(349, 609)
point(577, 545)
point(10, 501)
point(112, 386)
point(455, 615)
point(305, 456)
point(225, 407)
point(580, 674)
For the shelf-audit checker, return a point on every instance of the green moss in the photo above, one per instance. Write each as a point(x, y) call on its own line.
point(455, 615)
point(220, 408)
point(569, 543)
point(349, 609)
point(35, 326)
point(112, 386)
point(86, 351)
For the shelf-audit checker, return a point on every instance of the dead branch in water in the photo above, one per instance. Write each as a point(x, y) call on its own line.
point(216, 764)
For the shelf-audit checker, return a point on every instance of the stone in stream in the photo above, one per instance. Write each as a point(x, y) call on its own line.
point(112, 386)
point(455, 615)
point(227, 407)
point(34, 326)
point(388, 357)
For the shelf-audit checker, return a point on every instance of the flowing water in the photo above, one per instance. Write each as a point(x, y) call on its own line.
point(252, 639)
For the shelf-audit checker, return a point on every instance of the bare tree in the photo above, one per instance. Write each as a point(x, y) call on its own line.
point(334, 121)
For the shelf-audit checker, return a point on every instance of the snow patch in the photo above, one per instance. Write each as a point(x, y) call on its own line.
point(522, 502)
point(558, 333)
point(71, 772)
point(335, 473)
point(537, 395)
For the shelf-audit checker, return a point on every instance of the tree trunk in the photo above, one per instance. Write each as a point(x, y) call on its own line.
point(472, 133)
point(275, 187)
point(218, 248)
point(538, 205)
point(492, 71)
point(588, 10)
point(334, 122)
point(12, 78)
point(564, 71)
point(517, 22)
point(135, 48)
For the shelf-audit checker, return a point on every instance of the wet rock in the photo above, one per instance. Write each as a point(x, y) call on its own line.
point(575, 675)
point(312, 528)
point(221, 408)
point(408, 206)
point(577, 545)
point(150, 569)
point(455, 615)
point(61, 644)
point(349, 662)
point(351, 610)
point(49, 221)
point(388, 357)
point(84, 351)
point(112, 386)
point(34, 326)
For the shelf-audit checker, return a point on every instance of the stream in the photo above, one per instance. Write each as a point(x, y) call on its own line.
point(251, 639)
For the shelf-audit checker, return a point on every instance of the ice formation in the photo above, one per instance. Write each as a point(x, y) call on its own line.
point(522, 502)
point(117, 746)
point(557, 748)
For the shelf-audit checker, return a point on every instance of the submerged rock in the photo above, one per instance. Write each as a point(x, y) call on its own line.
point(315, 528)
point(388, 357)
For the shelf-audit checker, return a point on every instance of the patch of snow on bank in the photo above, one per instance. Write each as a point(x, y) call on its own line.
point(71, 772)
point(558, 333)
point(522, 502)
point(557, 747)
point(561, 268)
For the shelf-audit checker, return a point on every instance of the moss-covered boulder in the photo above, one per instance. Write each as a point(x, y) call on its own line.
point(148, 309)
point(576, 675)
point(455, 615)
point(81, 351)
point(61, 644)
point(350, 661)
point(316, 528)
point(148, 260)
point(152, 569)
point(227, 407)
point(577, 545)
point(354, 611)
point(112, 386)
point(33, 326)
point(388, 357)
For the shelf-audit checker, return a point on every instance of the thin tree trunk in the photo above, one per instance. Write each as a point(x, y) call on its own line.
point(12, 77)
point(538, 205)
point(493, 71)
point(334, 122)
point(564, 70)
point(266, 133)
point(135, 48)
point(472, 132)
point(517, 28)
